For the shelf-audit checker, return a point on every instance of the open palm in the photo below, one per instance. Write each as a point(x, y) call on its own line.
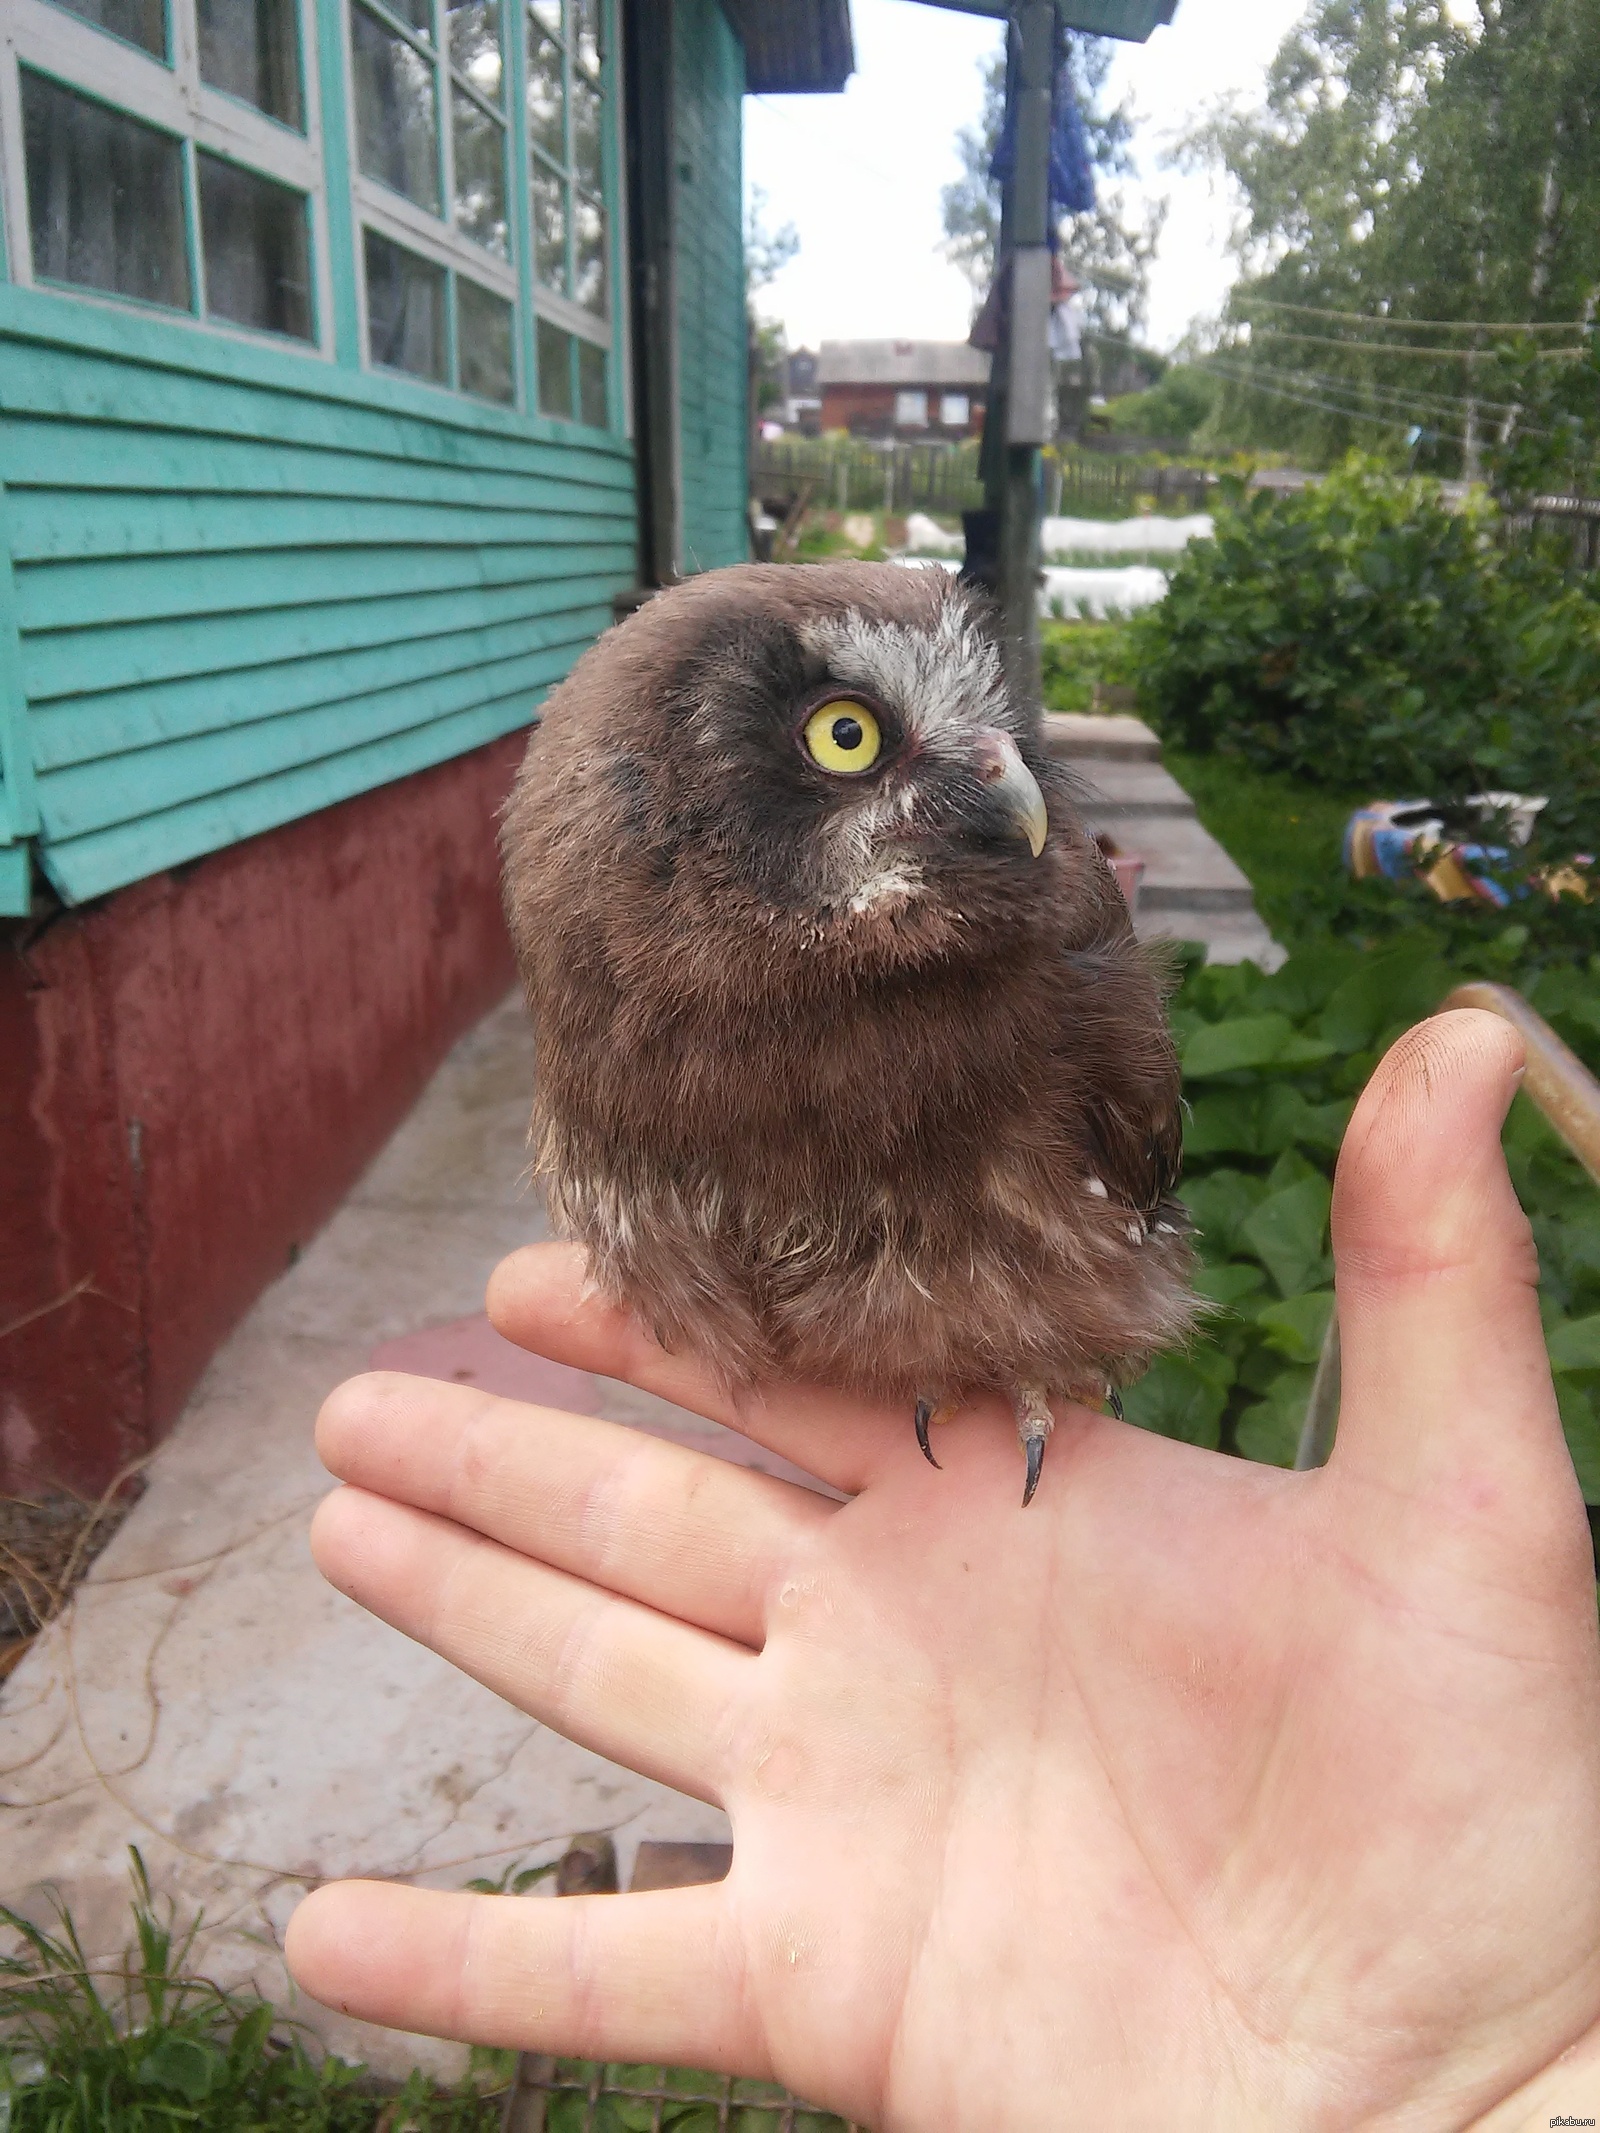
point(1199, 1794)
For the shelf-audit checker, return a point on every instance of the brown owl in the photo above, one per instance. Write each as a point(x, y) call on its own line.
point(849, 1066)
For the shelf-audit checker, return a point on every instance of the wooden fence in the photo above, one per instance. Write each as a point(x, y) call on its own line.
point(852, 474)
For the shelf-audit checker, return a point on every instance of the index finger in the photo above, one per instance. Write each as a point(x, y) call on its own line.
point(542, 1298)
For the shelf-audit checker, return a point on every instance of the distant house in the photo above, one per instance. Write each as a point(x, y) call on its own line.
point(914, 391)
point(357, 359)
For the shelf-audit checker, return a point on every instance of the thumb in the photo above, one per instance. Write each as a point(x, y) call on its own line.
point(1446, 1390)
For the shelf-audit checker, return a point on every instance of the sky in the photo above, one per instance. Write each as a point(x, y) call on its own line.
point(860, 175)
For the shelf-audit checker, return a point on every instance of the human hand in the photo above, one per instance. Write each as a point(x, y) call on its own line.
point(1200, 1794)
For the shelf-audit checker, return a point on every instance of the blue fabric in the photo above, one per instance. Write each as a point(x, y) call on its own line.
point(1071, 173)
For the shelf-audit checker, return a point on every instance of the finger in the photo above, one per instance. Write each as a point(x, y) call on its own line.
point(690, 1535)
point(631, 1684)
point(1446, 1387)
point(542, 1298)
point(636, 1978)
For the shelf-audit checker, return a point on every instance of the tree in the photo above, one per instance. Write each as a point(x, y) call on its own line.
point(766, 253)
point(1417, 183)
point(1109, 250)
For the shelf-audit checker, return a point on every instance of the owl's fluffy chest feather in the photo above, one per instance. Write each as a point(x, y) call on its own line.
point(894, 1200)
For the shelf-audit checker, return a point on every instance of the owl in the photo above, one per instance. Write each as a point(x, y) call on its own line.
point(849, 1068)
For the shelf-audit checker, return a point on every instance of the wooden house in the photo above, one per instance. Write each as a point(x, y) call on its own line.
point(913, 391)
point(356, 358)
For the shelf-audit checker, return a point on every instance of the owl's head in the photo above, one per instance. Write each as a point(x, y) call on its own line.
point(824, 759)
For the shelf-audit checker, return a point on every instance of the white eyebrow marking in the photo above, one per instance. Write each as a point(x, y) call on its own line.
point(944, 679)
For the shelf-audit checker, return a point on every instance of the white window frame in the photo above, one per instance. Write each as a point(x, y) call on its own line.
point(599, 328)
point(169, 95)
point(435, 237)
point(910, 408)
point(947, 421)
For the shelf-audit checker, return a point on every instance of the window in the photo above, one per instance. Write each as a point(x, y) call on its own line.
point(566, 142)
point(432, 151)
point(166, 156)
point(955, 410)
point(910, 411)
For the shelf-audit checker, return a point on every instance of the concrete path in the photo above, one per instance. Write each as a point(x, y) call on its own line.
point(209, 1699)
point(1192, 890)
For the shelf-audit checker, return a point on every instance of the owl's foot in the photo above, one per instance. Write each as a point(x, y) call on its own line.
point(1114, 1402)
point(1034, 1424)
point(929, 1412)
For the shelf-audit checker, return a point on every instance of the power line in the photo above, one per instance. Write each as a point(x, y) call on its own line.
point(1283, 392)
point(1410, 348)
point(1444, 325)
point(1413, 396)
point(1254, 381)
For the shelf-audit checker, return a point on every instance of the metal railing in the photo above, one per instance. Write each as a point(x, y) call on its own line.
point(1565, 1094)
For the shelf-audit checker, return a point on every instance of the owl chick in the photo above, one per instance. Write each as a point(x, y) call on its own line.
point(849, 1067)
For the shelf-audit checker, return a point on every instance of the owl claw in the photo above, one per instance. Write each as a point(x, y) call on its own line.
point(924, 1417)
point(1034, 1447)
point(1114, 1402)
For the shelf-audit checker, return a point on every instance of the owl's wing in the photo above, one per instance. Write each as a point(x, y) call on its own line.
point(1126, 1078)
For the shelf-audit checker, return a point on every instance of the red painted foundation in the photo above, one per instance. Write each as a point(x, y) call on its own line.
point(192, 1075)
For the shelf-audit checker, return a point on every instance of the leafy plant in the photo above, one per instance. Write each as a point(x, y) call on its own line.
point(146, 2046)
point(1363, 635)
point(1272, 1068)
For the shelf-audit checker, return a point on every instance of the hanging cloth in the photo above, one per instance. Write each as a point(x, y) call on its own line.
point(1071, 172)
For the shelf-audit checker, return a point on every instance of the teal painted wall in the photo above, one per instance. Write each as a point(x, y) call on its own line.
point(248, 584)
point(713, 388)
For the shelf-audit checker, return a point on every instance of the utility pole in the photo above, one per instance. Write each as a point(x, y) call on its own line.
point(1017, 416)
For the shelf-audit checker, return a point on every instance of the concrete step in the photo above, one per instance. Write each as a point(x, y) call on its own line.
point(1100, 737)
point(1129, 786)
point(1185, 867)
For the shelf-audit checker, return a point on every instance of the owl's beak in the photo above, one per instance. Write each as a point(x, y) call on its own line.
point(1013, 785)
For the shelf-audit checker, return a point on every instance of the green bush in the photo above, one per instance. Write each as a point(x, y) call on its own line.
point(1272, 1068)
point(1362, 634)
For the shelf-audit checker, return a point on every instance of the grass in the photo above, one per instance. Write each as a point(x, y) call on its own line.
point(145, 2046)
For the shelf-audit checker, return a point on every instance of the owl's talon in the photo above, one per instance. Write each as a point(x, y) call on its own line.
point(1114, 1402)
point(924, 1417)
point(1034, 1448)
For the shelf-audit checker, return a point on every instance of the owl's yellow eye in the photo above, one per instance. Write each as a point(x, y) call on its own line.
point(843, 736)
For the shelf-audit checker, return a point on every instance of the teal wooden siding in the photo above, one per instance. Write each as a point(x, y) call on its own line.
point(249, 584)
point(708, 69)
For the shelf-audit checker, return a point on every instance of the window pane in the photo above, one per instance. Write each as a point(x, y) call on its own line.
point(141, 22)
point(257, 257)
point(592, 384)
point(251, 48)
point(418, 13)
point(395, 111)
point(480, 174)
point(588, 253)
point(474, 31)
point(588, 29)
point(546, 100)
point(586, 133)
point(555, 370)
point(483, 342)
point(105, 197)
point(405, 310)
point(549, 229)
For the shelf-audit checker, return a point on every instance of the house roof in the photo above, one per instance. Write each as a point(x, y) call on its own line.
point(794, 47)
point(947, 363)
point(1131, 20)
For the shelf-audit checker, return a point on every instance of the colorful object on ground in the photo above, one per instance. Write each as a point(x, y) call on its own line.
point(1405, 840)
